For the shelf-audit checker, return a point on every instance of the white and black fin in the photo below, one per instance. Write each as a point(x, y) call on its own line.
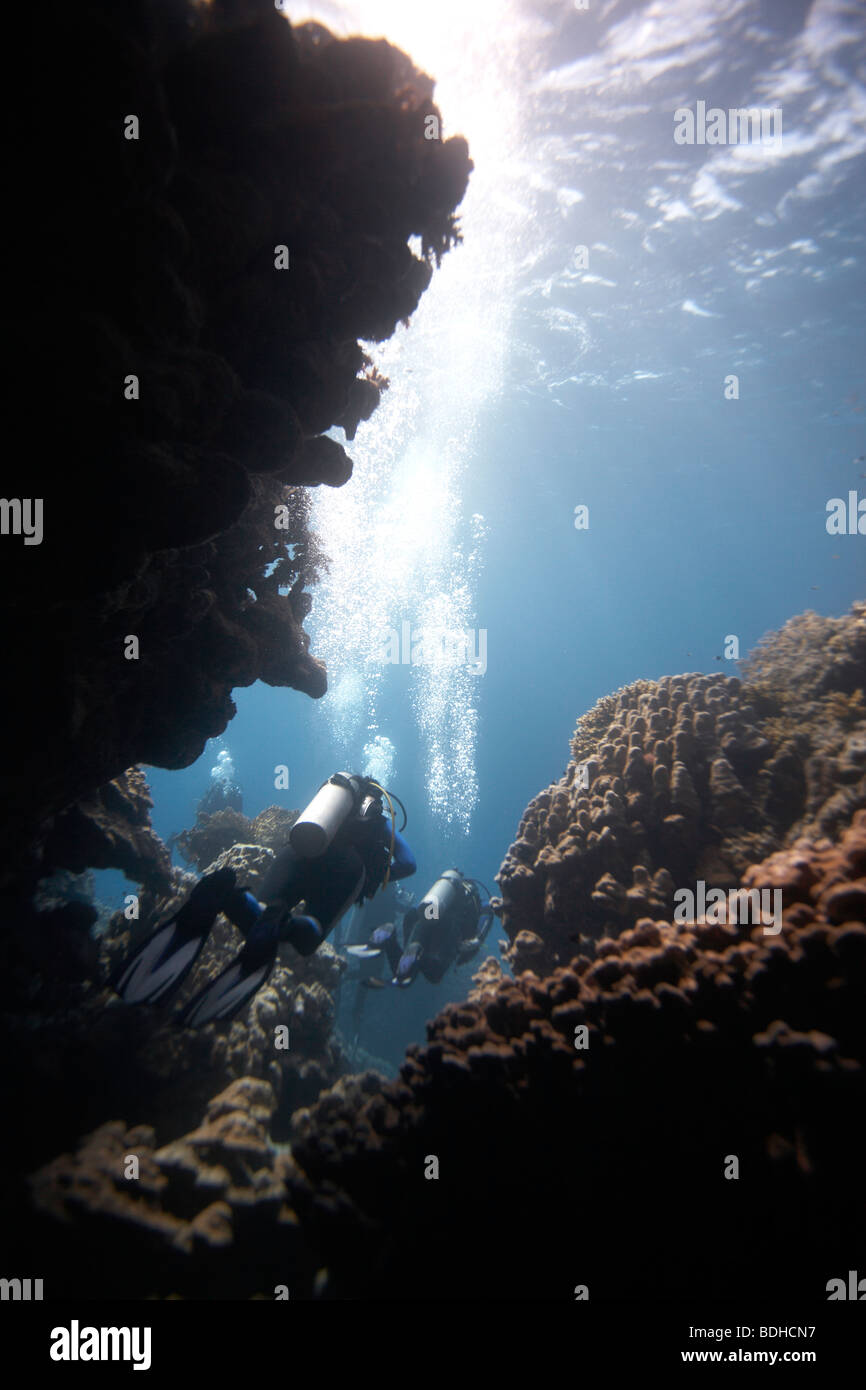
point(227, 994)
point(160, 965)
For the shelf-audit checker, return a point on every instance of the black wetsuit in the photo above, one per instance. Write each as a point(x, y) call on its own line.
point(352, 869)
point(220, 796)
point(441, 938)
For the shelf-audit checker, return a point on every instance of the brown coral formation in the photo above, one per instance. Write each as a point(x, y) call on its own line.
point(49, 951)
point(701, 1042)
point(184, 1204)
point(284, 1037)
point(808, 679)
point(213, 834)
point(110, 829)
point(827, 655)
point(193, 378)
point(688, 778)
point(271, 827)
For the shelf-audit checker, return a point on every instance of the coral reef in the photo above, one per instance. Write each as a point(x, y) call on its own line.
point(188, 1201)
point(702, 1042)
point(94, 1054)
point(250, 863)
point(110, 829)
point(212, 834)
point(808, 681)
point(616, 1093)
point(271, 827)
point(686, 778)
point(49, 951)
point(647, 1078)
point(193, 377)
point(825, 654)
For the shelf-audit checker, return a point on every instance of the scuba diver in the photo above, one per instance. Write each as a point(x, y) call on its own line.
point(223, 792)
point(447, 927)
point(341, 850)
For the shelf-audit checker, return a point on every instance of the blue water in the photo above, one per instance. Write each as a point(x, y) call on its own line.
point(706, 515)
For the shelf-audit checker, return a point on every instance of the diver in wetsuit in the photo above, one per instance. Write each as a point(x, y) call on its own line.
point(341, 849)
point(447, 927)
point(223, 792)
point(220, 796)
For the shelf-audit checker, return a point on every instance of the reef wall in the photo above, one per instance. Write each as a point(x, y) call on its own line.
point(689, 777)
point(215, 209)
point(674, 1109)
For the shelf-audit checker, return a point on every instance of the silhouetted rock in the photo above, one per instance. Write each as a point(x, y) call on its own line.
point(159, 257)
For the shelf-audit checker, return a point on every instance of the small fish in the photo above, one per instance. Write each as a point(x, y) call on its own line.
point(717, 658)
point(813, 586)
point(373, 982)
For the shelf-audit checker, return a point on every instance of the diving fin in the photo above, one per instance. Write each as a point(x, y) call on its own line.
point(163, 961)
point(228, 993)
point(383, 937)
point(161, 964)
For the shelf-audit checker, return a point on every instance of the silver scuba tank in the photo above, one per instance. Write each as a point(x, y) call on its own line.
point(319, 822)
point(439, 899)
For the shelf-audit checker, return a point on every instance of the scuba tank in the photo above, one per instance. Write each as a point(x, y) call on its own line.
point(319, 822)
point(450, 890)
